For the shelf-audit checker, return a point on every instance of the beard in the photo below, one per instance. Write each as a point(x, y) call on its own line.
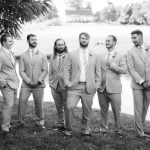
point(84, 45)
point(32, 45)
point(60, 51)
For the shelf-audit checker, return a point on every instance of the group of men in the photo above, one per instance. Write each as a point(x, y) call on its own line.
point(73, 76)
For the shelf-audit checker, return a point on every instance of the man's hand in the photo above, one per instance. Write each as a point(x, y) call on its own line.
point(68, 85)
point(33, 84)
point(146, 85)
point(113, 66)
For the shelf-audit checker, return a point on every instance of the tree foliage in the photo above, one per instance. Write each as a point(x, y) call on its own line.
point(13, 13)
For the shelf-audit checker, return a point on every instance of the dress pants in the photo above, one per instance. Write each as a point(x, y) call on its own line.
point(9, 97)
point(141, 103)
point(38, 94)
point(104, 99)
point(73, 98)
point(60, 99)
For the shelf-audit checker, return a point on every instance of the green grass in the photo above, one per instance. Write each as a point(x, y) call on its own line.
point(29, 138)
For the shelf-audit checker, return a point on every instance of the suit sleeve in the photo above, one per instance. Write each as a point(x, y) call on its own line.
point(98, 72)
point(51, 76)
point(44, 69)
point(122, 67)
point(130, 62)
point(2, 81)
point(22, 71)
point(67, 70)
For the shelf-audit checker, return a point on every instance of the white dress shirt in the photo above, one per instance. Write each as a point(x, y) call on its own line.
point(82, 67)
point(34, 50)
point(112, 54)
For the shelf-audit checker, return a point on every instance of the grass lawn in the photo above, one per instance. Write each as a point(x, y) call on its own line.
point(30, 138)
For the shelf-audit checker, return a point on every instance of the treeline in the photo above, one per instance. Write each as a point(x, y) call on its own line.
point(135, 13)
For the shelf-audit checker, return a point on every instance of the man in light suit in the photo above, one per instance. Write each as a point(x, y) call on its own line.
point(33, 69)
point(9, 81)
point(139, 68)
point(113, 65)
point(56, 82)
point(82, 76)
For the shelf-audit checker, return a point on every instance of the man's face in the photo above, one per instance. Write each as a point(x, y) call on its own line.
point(9, 42)
point(84, 41)
point(137, 39)
point(32, 41)
point(109, 42)
point(60, 46)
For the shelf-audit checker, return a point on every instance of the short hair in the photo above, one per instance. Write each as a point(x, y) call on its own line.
point(30, 35)
point(55, 50)
point(138, 32)
point(84, 33)
point(4, 38)
point(114, 38)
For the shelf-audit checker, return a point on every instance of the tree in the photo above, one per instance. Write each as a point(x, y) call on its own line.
point(13, 13)
point(110, 12)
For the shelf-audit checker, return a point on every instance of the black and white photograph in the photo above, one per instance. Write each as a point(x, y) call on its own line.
point(74, 74)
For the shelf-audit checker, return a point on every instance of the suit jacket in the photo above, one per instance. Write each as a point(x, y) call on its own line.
point(8, 74)
point(138, 66)
point(35, 70)
point(56, 75)
point(72, 72)
point(111, 76)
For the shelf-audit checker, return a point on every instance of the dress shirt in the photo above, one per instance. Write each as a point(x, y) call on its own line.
point(32, 50)
point(112, 54)
point(82, 67)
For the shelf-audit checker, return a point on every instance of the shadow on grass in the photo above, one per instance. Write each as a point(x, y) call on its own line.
point(31, 138)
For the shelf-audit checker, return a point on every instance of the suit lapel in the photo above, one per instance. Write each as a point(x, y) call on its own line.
point(78, 58)
point(7, 55)
point(90, 59)
point(55, 63)
point(62, 61)
point(140, 55)
point(147, 55)
point(104, 61)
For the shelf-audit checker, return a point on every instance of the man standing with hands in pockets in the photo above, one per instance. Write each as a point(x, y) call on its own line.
point(56, 82)
point(82, 76)
point(9, 81)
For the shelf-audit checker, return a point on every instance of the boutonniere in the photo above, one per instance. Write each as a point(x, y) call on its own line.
point(63, 56)
point(12, 53)
point(147, 47)
point(37, 51)
point(91, 53)
point(114, 54)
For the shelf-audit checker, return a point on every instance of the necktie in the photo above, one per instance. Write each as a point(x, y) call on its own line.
point(32, 55)
point(58, 61)
point(142, 51)
point(11, 58)
point(107, 59)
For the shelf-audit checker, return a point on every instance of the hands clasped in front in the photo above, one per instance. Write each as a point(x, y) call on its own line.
point(34, 84)
point(146, 85)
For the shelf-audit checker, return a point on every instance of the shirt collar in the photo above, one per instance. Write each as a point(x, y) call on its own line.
point(6, 50)
point(61, 55)
point(112, 53)
point(83, 50)
point(34, 49)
